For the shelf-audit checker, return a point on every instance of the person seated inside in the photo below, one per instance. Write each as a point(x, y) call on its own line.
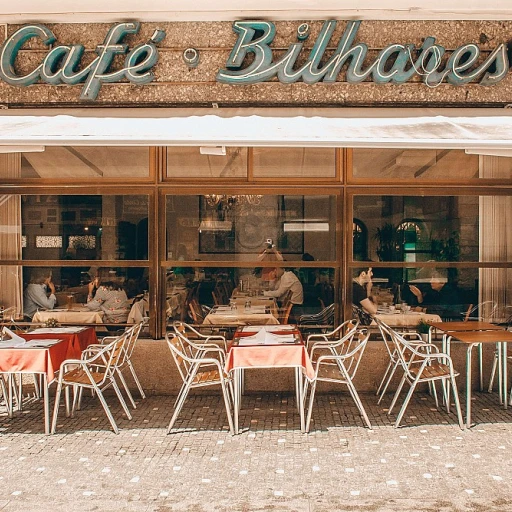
point(362, 294)
point(109, 297)
point(39, 294)
point(442, 298)
point(284, 281)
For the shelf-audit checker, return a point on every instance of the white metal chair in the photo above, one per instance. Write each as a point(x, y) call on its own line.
point(338, 363)
point(197, 337)
point(95, 371)
point(394, 359)
point(423, 363)
point(199, 365)
point(132, 335)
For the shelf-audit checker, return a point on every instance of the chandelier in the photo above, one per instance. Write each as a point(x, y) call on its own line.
point(230, 201)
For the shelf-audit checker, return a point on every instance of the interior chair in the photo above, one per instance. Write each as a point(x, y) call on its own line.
point(199, 366)
point(284, 313)
point(338, 363)
point(196, 312)
point(324, 317)
point(414, 339)
point(96, 371)
point(423, 363)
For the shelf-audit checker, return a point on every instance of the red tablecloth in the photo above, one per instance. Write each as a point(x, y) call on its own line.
point(269, 356)
point(34, 360)
point(77, 341)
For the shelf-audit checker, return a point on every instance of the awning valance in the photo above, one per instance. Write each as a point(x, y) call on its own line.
point(314, 127)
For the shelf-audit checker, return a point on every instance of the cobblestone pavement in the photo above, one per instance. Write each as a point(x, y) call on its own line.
point(428, 465)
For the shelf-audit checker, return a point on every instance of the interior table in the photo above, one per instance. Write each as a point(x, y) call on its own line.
point(407, 319)
point(240, 315)
point(283, 348)
point(77, 315)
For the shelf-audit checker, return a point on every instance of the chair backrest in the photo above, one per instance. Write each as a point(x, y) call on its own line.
point(407, 352)
point(186, 355)
point(326, 316)
point(484, 311)
point(386, 337)
point(285, 313)
point(286, 299)
point(353, 349)
point(133, 335)
point(196, 311)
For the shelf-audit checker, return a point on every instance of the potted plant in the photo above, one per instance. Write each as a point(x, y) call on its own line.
point(423, 328)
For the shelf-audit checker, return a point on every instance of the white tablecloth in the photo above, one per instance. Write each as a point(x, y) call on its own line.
point(409, 319)
point(75, 316)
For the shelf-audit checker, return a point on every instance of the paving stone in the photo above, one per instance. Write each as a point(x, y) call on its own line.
point(427, 465)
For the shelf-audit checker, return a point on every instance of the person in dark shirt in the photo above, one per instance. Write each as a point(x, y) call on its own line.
point(361, 291)
point(442, 298)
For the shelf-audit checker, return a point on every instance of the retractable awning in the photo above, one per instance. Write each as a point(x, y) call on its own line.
point(474, 129)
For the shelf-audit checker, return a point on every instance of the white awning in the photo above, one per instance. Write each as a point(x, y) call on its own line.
point(26, 11)
point(479, 129)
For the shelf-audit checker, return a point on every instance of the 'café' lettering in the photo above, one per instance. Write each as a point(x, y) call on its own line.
point(396, 63)
point(62, 63)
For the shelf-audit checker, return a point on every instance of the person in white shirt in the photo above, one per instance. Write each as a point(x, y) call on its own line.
point(40, 293)
point(286, 280)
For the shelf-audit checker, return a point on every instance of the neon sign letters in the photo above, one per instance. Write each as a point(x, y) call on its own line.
point(397, 63)
point(62, 63)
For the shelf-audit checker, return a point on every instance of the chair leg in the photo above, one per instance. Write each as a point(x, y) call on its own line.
point(390, 376)
point(384, 377)
point(136, 379)
point(457, 402)
point(358, 402)
point(397, 394)
point(120, 397)
point(405, 404)
point(107, 410)
point(56, 407)
point(493, 373)
point(5, 394)
point(69, 411)
point(227, 403)
point(310, 408)
point(179, 404)
point(125, 386)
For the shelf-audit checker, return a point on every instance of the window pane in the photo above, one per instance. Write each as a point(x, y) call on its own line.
point(428, 164)
point(77, 163)
point(72, 282)
point(237, 227)
point(76, 227)
point(433, 228)
point(188, 162)
point(448, 292)
point(208, 287)
point(294, 162)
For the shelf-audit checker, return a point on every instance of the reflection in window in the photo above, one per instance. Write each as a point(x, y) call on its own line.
point(360, 240)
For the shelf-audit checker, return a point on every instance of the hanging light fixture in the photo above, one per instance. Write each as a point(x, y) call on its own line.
point(230, 201)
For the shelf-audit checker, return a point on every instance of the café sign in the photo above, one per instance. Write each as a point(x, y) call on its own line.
point(396, 63)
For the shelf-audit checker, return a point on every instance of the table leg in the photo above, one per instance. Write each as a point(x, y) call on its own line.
point(481, 365)
point(236, 398)
point(505, 379)
point(500, 372)
point(46, 405)
point(300, 392)
point(468, 384)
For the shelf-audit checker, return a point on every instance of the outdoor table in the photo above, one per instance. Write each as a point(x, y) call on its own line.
point(407, 319)
point(269, 354)
point(78, 315)
point(44, 351)
point(39, 356)
point(471, 338)
point(460, 326)
point(240, 315)
point(78, 338)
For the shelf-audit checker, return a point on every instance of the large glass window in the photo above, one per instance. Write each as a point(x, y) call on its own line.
point(67, 162)
point(294, 162)
point(79, 227)
point(208, 162)
point(214, 227)
point(436, 228)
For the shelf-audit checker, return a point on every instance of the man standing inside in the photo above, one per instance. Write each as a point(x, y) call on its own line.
point(40, 293)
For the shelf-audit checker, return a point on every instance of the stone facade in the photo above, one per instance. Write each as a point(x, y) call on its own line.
point(176, 84)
